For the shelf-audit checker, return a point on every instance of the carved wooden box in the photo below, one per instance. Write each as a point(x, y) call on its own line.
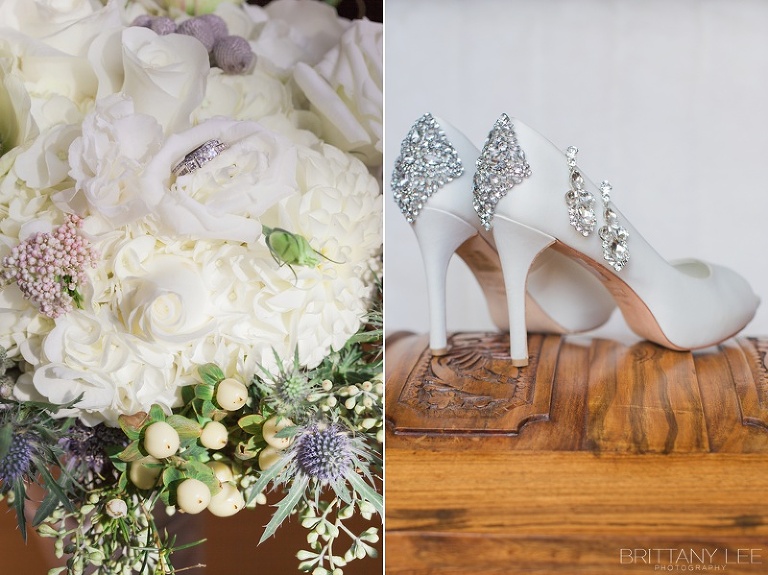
point(595, 458)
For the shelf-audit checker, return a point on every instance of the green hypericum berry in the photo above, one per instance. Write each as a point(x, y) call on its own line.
point(289, 248)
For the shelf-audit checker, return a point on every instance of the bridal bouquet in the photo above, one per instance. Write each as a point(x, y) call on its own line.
point(190, 252)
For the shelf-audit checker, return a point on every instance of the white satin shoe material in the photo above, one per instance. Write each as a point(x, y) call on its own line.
point(561, 296)
point(684, 305)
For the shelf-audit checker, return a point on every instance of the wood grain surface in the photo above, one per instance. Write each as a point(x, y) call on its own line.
point(637, 449)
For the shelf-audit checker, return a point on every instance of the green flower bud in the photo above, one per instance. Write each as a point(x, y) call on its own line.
point(289, 248)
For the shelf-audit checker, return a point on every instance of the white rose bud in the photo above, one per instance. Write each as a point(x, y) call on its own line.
point(117, 508)
point(161, 440)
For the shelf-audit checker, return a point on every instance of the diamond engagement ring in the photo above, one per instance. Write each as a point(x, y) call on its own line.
point(200, 156)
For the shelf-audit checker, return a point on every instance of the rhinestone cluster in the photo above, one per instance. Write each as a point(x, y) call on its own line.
point(581, 203)
point(500, 167)
point(427, 162)
point(613, 234)
point(581, 212)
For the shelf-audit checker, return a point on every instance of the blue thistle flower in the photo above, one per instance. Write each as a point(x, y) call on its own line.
point(87, 447)
point(325, 454)
point(322, 455)
point(15, 465)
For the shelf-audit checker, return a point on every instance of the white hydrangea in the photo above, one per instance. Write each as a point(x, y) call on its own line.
point(184, 275)
point(171, 293)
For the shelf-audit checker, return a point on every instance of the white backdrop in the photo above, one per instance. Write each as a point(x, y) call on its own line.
point(666, 99)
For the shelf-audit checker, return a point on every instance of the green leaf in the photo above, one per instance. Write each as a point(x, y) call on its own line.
point(286, 505)
point(6, 436)
point(52, 486)
point(201, 472)
point(132, 424)
point(53, 407)
point(366, 336)
point(187, 394)
point(188, 545)
point(171, 474)
point(269, 475)
point(289, 431)
point(185, 427)
point(209, 410)
point(18, 503)
point(48, 506)
point(252, 424)
point(366, 492)
point(371, 535)
point(131, 452)
point(204, 391)
point(156, 413)
point(210, 373)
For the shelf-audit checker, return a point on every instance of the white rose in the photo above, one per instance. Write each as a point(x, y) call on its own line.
point(345, 90)
point(115, 373)
point(16, 122)
point(49, 18)
point(44, 163)
point(49, 41)
point(61, 86)
point(163, 75)
point(107, 160)
point(297, 31)
point(168, 303)
point(250, 96)
point(223, 199)
point(238, 18)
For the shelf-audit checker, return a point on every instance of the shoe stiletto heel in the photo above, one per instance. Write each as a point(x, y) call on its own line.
point(439, 235)
point(682, 306)
point(518, 247)
point(433, 191)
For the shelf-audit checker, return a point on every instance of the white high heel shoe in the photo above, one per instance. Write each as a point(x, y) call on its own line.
point(682, 306)
point(561, 297)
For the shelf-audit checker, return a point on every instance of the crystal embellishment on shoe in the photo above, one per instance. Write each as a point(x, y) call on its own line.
point(613, 234)
point(500, 167)
point(581, 203)
point(427, 162)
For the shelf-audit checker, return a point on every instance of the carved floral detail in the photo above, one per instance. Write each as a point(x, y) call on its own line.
point(759, 349)
point(475, 378)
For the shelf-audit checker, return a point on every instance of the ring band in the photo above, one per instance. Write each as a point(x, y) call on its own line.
point(198, 157)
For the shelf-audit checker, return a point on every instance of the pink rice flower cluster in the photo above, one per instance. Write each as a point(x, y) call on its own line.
point(50, 267)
